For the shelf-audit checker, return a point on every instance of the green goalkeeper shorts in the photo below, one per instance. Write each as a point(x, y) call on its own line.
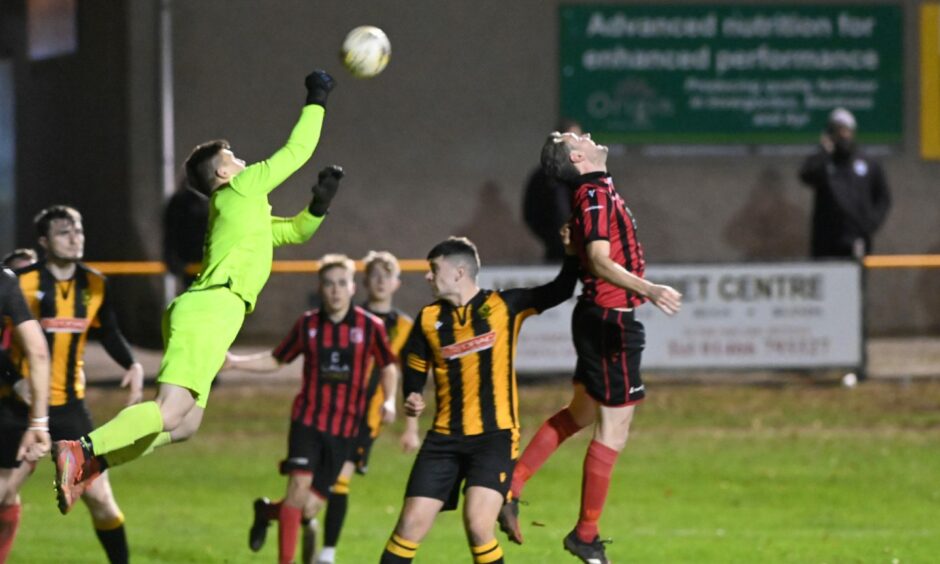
point(198, 329)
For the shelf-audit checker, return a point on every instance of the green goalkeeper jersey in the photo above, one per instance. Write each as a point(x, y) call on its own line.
point(242, 233)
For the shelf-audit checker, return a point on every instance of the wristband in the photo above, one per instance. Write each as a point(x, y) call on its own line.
point(39, 419)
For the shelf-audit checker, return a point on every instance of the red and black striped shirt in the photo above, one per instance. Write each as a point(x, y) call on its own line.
point(334, 396)
point(601, 214)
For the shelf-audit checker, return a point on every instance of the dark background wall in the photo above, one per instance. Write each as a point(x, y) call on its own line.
point(439, 144)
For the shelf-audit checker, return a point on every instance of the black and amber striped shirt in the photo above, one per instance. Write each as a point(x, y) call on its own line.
point(67, 311)
point(471, 351)
point(599, 213)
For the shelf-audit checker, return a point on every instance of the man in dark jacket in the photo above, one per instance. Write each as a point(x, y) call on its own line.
point(851, 196)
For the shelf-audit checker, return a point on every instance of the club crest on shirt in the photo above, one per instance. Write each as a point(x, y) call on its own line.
point(86, 297)
point(861, 167)
point(312, 333)
point(356, 335)
point(469, 346)
point(484, 311)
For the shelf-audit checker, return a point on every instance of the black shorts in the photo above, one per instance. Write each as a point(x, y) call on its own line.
point(311, 450)
point(66, 422)
point(362, 445)
point(445, 461)
point(609, 344)
point(14, 418)
point(69, 422)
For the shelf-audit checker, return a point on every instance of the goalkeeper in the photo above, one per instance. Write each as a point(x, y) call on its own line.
point(201, 324)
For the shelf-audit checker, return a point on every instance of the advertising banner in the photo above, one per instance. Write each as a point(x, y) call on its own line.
point(741, 316)
point(711, 74)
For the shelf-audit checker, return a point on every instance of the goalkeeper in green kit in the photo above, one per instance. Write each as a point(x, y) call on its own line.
point(200, 325)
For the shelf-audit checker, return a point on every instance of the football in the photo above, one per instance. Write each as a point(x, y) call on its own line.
point(366, 51)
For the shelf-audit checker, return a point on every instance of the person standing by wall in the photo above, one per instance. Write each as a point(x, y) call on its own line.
point(851, 197)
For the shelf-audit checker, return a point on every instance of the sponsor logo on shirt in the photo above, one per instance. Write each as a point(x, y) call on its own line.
point(470, 346)
point(64, 324)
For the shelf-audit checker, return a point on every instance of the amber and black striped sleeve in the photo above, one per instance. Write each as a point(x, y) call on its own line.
point(415, 359)
point(547, 295)
point(109, 333)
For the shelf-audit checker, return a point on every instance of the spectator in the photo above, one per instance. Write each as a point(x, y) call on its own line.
point(851, 197)
point(546, 205)
point(184, 230)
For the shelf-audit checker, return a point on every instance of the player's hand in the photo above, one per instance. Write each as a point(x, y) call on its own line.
point(825, 141)
point(565, 234)
point(34, 445)
point(318, 83)
point(665, 298)
point(388, 411)
point(410, 441)
point(21, 389)
point(414, 404)
point(325, 189)
point(134, 378)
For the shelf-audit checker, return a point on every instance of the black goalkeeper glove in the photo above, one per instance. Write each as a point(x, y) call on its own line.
point(324, 190)
point(318, 83)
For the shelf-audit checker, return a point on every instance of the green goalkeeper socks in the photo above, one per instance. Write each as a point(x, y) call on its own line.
point(130, 425)
point(142, 447)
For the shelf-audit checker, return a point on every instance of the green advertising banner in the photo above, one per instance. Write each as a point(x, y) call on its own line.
point(710, 74)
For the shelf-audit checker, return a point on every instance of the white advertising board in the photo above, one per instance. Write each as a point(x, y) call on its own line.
point(734, 316)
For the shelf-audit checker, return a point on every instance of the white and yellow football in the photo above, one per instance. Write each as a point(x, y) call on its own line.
point(366, 51)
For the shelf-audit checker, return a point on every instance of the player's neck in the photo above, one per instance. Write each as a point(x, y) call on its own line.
point(338, 315)
point(463, 298)
point(380, 306)
point(61, 270)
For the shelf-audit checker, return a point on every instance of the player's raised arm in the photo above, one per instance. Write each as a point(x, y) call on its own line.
point(299, 229)
point(547, 296)
point(264, 176)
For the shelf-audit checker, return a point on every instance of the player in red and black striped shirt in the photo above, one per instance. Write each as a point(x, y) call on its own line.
point(607, 338)
point(339, 343)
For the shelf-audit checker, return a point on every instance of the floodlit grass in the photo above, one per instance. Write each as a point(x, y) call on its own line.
point(799, 473)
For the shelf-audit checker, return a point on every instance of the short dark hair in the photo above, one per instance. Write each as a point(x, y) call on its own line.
point(44, 219)
point(460, 248)
point(19, 254)
point(199, 171)
point(556, 158)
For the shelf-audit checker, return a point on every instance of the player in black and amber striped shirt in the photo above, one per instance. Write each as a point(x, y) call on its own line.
point(71, 301)
point(339, 343)
point(467, 339)
point(607, 338)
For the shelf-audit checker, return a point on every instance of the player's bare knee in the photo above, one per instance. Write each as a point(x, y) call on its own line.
point(479, 531)
point(412, 525)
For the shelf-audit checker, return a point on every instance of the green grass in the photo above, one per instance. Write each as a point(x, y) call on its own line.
point(801, 473)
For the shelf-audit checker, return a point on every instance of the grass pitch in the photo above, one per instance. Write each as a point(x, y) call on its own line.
point(799, 473)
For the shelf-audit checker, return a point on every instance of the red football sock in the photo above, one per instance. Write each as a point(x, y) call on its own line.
point(552, 433)
point(289, 527)
point(598, 466)
point(9, 522)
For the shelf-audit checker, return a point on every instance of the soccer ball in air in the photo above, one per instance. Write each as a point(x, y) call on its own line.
point(366, 51)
